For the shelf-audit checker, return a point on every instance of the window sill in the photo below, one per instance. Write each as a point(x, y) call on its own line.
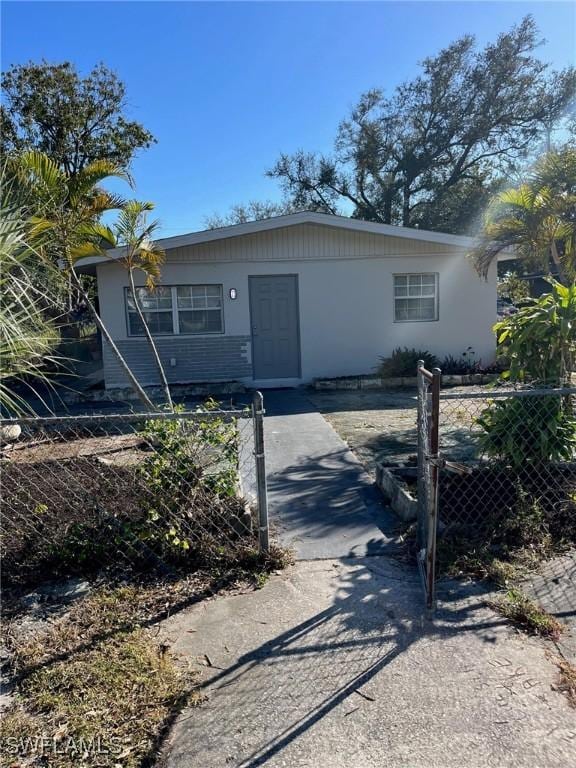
point(177, 335)
point(402, 322)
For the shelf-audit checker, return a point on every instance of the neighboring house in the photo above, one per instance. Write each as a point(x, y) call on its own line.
point(282, 301)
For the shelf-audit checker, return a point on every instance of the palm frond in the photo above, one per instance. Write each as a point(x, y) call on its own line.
point(93, 174)
point(27, 337)
point(38, 174)
point(536, 218)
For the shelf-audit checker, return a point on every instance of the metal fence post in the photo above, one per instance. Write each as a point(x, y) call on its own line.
point(421, 450)
point(434, 501)
point(262, 493)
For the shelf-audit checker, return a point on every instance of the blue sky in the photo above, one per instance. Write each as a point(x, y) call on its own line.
point(225, 87)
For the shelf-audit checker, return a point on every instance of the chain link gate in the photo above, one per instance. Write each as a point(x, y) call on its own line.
point(428, 476)
point(500, 465)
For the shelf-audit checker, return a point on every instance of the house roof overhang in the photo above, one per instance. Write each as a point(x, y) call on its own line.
point(291, 220)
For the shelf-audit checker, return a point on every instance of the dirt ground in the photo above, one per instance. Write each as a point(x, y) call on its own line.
point(378, 426)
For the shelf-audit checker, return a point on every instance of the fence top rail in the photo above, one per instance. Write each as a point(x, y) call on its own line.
point(425, 373)
point(128, 417)
point(490, 394)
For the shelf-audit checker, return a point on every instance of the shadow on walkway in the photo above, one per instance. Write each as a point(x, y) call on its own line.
point(293, 698)
point(327, 506)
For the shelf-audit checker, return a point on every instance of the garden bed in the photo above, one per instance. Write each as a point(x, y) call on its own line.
point(367, 382)
point(76, 503)
point(494, 511)
point(501, 523)
point(398, 485)
point(489, 493)
point(509, 507)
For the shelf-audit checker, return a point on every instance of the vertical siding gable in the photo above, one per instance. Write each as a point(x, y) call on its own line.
point(306, 241)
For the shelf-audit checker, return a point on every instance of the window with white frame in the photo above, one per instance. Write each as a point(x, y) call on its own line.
point(416, 297)
point(199, 308)
point(177, 309)
point(157, 310)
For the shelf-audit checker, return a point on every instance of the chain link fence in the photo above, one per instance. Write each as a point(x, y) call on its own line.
point(514, 483)
point(497, 475)
point(131, 492)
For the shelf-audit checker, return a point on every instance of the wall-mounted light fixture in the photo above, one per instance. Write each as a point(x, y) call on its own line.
point(232, 293)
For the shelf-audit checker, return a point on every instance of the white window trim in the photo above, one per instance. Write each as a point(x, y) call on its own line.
point(175, 317)
point(436, 296)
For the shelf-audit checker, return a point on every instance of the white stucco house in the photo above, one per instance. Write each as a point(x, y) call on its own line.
point(283, 301)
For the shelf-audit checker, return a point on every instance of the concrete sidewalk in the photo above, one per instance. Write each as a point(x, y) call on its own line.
point(330, 664)
point(322, 501)
point(553, 586)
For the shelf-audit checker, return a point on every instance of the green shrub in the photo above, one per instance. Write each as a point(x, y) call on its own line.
point(540, 339)
point(404, 361)
point(188, 458)
point(540, 343)
point(528, 430)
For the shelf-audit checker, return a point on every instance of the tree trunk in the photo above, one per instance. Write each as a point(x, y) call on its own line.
point(558, 263)
point(144, 399)
point(388, 209)
point(152, 344)
point(406, 204)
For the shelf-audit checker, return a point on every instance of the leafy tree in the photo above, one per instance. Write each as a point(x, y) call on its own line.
point(537, 218)
point(254, 210)
point(140, 253)
point(68, 207)
point(430, 154)
point(73, 120)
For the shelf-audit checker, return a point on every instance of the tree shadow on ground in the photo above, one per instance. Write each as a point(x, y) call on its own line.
point(329, 662)
point(329, 496)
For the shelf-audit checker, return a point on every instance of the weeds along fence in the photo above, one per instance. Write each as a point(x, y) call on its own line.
point(497, 475)
point(139, 492)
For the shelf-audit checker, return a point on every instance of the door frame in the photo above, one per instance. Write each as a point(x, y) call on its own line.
point(298, 343)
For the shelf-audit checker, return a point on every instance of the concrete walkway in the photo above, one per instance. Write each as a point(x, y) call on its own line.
point(330, 665)
point(322, 502)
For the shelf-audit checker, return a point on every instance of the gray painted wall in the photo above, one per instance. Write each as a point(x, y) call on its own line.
point(216, 358)
point(345, 304)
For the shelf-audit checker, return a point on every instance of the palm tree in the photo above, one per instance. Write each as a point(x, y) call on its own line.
point(27, 336)
point(537, 219)
point(141, 253)
point(70, 207)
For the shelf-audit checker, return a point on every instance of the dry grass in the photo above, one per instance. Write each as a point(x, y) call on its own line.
point(566, 680)
point(527, 615)
point(94, 687)
point(111, 702)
